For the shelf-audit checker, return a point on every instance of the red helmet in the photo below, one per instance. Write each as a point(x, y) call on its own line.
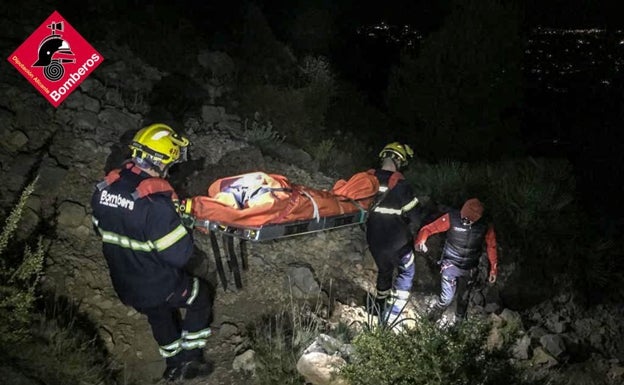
point(472, 210)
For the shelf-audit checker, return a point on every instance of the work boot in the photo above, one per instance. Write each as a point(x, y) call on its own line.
point(187, 370)
point(434, 312)
point(172, 373)
point(459, 319)
point(194, 369)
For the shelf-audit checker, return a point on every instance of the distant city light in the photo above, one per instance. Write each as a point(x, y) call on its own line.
point(552, 54)
point(393, 34)
point(562, 53)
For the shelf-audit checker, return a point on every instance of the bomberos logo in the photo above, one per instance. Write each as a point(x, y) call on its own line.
point(116, 201)
point(55, 59)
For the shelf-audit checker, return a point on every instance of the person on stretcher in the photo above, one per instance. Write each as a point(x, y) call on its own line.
point(251, 190)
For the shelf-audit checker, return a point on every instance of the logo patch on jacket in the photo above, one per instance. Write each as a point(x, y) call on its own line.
point(116, 201)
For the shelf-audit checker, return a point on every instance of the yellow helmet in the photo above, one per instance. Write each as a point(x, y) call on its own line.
point(397, 151)
point(159, 144)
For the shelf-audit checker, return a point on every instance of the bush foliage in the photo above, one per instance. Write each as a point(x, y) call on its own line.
point(429, 355)
point(18, 278)
point(278, 340)
point(48, 346)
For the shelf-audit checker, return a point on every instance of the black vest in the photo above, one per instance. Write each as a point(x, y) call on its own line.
point(464, 243)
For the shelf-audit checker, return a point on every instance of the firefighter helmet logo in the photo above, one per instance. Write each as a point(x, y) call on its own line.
point(55, 59)
point(54, 52)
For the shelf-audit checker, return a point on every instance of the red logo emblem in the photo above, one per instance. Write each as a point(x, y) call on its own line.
point(55, 59)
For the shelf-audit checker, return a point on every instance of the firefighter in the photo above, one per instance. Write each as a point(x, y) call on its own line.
point(467, 232)
point(147, 247)
point(394, 219)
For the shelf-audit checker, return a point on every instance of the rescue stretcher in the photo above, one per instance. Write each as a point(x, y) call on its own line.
point(261, 207)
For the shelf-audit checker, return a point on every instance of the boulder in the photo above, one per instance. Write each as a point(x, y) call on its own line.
point(321, 368)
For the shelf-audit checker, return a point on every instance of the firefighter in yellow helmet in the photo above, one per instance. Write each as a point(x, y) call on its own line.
point(393, 221)
point(400, 154)
point(158, 147)
point(147, 247)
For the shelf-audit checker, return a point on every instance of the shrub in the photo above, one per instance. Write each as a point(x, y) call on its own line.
point(280, 337)
point(262, 134)
point(64, 348)
point(18, 283)
point(323, 151)
point(429, 355)
point(318, 90)
point(48, 347)
point(278, 340)
point(282, 106)
point(596, 273)
point(298, 109)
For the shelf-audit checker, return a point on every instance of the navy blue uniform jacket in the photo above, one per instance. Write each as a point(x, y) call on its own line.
point(144, 242)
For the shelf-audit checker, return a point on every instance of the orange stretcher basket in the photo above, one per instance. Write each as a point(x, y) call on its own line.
point(260, 206)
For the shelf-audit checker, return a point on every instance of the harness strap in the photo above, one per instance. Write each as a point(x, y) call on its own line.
point(109, 179)
point(151, 186)
point(115, 174)
point(394, 179)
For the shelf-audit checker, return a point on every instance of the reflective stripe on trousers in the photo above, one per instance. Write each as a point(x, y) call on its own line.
point(196, 339)
point(171, 349)
point(398, 300)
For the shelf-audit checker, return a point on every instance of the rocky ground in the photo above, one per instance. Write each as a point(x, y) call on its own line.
point(280, 275)
point(272, 282)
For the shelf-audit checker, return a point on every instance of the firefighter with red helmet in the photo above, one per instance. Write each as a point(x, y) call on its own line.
point(146, 247)
point(393, 220)
point(466, 234)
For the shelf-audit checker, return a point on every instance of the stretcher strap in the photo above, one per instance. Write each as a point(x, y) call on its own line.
point(316, 214)
point(356, 203)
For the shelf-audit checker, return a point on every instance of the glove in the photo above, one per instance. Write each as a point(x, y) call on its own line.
point(492, 278)
point(421, 247)
point(188, 220)
point(184, 209)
